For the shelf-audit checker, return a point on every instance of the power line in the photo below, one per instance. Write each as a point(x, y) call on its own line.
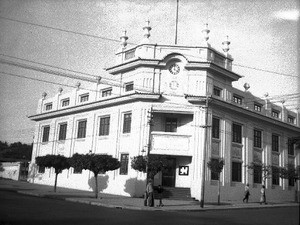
point(114, 40)
point(59, 29)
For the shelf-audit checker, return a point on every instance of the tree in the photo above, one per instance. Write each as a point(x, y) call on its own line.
point(58, 162)
point(16, 150)
point(95, 163)
point(291, 173)
point(266, 170)
point(151, 164)
point(216, 166)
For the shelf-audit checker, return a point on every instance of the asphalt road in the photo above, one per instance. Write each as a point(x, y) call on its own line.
point(21, 209)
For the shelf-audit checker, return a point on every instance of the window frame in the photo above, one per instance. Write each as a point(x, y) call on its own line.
point(48, 106)
point(257, 138)
point(257, 107)
point(214, 175)
point(237, 135)
point(129, 86)
point(236, 176)
point(81, 130)
point(62, 133)
point(237, 99)
point(46, 134)
point(257, 174)
point(127, 119)
point(291, 119)
point(84, 97)
point(63, 101)
point(275, 113)
point(104, 125)
point(275, 176)
point(216, 128)
point(275, 143)
point(41, 169)
point(171, 124)
point(217, 91)
point(106, 92)
point(124, 160)
point(290, 147)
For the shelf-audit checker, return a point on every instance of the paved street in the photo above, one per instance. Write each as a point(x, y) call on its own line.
point(16, 209)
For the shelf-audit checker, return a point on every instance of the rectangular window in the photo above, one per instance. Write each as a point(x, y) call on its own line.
point(129, 86)
point(62, 132)
point(46, 131)
point(275, 143)
point(42, 169)
point(217, 91)
point(257, 138)
point(236, 171)
point(171, 125)
point(127, 123)
point(48, 106)
point(104, 126)
point(214, 175)
point(84, 98)
point(65, 102)
point(275, 175)
point(124, 164)
point(257, 174)
point(236, 133)
point(106, 92)
point(237, 99)
point(291, 182)
point(216, 128)
point(290, 147)
point(81, 132)
point(291, 119)
point(275, 114)
point(257, 107)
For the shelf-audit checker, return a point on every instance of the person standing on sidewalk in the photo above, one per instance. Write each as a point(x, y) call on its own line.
point(149, 190)
point(263, 195)
point(247, 193)
point(160, 195)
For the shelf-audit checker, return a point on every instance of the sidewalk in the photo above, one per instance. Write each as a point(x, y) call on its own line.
point(122, 202)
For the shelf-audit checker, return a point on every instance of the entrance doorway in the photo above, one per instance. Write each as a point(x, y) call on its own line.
point(168, 175)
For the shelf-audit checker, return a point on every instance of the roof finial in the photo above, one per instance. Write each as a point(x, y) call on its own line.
point(146, 29)
point(205, 32)
point(124, 38)
point(226, 44)
point(246, 86)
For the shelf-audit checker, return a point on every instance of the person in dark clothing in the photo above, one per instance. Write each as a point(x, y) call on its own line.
point(247, 193)
point(160, 195)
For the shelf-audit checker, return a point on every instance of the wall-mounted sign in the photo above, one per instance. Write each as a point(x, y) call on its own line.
point(183, 170)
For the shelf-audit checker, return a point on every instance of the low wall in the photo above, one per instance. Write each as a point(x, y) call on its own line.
point(10, 170)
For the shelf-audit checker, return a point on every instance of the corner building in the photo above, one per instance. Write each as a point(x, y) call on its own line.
point(169, 100)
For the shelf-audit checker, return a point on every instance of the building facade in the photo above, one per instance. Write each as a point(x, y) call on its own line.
point(169, 100)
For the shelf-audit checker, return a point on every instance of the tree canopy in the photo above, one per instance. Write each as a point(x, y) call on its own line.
point(58, 162)
point(152, 163)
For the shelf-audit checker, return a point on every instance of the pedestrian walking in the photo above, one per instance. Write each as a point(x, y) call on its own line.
point(247, 193)
point(160, 195)
point(149, 190)
point(263, 195)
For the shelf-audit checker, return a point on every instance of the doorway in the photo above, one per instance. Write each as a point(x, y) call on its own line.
point(169, 174)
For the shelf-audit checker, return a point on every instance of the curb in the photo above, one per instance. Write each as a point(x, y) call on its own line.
point(232, 207)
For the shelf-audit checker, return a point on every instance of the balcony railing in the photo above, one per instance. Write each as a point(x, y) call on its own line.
point(166, 143)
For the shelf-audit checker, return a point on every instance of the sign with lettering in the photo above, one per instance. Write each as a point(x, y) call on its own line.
point(183, 170)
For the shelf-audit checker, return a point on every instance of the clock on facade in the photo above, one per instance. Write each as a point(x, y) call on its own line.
point(174, 85)
point(174, 69)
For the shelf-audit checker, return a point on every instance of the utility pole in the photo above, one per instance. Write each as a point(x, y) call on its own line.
point(176, 24)
point(204, 153)
point(150, 123)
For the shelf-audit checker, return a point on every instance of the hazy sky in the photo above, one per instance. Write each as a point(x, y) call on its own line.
point(264, 37)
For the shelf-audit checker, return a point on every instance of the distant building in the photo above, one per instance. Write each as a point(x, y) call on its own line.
point(170, 85)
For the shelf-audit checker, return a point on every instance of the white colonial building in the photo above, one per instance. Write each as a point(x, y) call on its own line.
point(169, 100)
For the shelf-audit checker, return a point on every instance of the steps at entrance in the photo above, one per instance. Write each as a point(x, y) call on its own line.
point(175, 193)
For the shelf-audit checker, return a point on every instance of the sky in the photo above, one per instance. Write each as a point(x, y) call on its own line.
point(83, 36)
